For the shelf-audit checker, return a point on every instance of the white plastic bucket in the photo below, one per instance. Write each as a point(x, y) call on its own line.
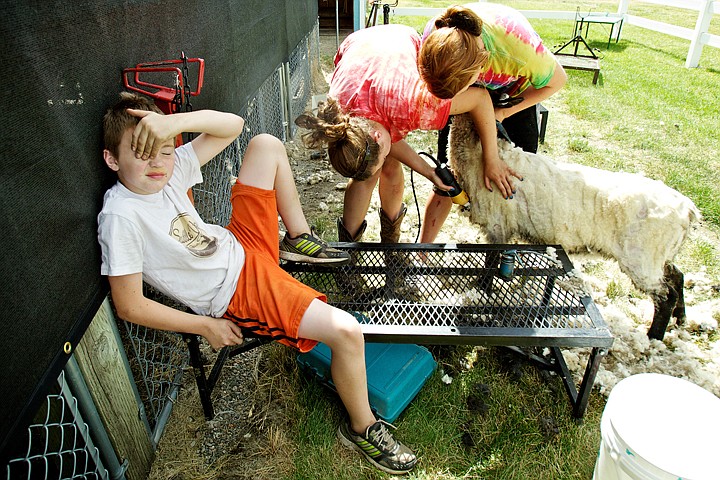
point(658, 427)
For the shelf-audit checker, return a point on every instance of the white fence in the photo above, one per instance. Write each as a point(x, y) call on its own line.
point(699, 37)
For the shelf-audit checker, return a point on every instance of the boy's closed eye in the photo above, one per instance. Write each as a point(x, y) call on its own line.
point(165, 153)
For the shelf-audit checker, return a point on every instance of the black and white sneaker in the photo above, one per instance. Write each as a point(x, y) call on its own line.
point(379, 447)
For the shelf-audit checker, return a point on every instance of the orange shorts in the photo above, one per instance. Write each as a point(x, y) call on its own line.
point(268, 300)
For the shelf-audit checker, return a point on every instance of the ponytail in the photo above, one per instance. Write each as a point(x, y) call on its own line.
point(461, 18)
point(351, 150)
point(450, 56)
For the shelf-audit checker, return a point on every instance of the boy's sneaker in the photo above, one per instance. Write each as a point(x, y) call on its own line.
point(309, 248)
point(379, 447)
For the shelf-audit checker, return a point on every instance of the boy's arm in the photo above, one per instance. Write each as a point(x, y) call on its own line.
point(217, 130)
point(132, 305)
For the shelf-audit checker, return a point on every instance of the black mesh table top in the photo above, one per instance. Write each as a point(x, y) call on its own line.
point(461, 294)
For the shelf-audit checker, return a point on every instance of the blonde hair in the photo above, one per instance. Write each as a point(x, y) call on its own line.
point(117, 120)
point(352, 151)
point(450, 56)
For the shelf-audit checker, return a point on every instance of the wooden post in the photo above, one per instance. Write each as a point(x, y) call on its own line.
point(623, 7)
point(100, 359)
point(701, 28)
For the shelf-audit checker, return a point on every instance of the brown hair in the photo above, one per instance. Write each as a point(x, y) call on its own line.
point(117, 120)
point(352, 151)
point(450, 56)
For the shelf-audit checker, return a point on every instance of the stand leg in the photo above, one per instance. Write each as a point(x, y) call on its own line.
point(199, 371)
point(612, 29)
point(588, 381)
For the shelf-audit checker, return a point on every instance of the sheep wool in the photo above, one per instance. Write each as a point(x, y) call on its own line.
point(638, 221)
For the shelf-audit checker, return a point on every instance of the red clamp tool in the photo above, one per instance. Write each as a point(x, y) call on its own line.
point(170, 99)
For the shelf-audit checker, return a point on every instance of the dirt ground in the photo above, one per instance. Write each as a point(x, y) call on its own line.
point(247, 428)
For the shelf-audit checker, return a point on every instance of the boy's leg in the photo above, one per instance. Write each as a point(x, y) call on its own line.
point(340, 331)
point(265, 165)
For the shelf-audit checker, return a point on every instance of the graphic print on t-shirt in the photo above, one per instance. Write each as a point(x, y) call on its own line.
point(186, 231)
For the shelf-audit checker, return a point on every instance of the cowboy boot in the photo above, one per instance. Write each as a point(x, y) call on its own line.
point(351, 284)
point(345, 236)
point(390, 229)
point(396, 262)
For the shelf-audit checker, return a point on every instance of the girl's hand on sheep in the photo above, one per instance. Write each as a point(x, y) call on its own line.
point(500, 174)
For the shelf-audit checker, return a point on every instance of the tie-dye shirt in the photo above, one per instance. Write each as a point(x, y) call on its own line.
point(518, 58)
point(376, 77)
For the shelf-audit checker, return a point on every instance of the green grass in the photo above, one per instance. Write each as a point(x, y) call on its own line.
point(523, 429)
point(704, 254)
point(669, 133)
point(648, 113)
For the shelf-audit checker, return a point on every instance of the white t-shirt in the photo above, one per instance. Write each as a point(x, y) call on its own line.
point(162, 236)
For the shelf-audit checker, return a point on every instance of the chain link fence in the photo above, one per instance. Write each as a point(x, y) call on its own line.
point(281, 98)
point(157, 361)
point(304, 60)
point(59, 444)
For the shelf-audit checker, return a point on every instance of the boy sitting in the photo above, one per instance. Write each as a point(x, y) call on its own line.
point(230, 277)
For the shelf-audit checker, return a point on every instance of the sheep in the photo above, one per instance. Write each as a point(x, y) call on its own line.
point(639, 222)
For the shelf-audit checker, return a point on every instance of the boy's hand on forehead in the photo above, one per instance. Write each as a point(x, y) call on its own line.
point(152, 132)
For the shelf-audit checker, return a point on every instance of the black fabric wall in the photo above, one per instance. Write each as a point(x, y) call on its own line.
point(60, 68)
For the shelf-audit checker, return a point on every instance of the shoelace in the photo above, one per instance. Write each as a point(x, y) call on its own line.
point(382, 435)
point(315, 236)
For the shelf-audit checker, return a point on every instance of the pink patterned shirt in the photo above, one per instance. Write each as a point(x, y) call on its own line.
point(518, 57)
point(376, 77)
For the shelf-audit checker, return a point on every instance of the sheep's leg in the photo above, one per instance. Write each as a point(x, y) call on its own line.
point(676, 278)
point(672, 304)
point(663, 312)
